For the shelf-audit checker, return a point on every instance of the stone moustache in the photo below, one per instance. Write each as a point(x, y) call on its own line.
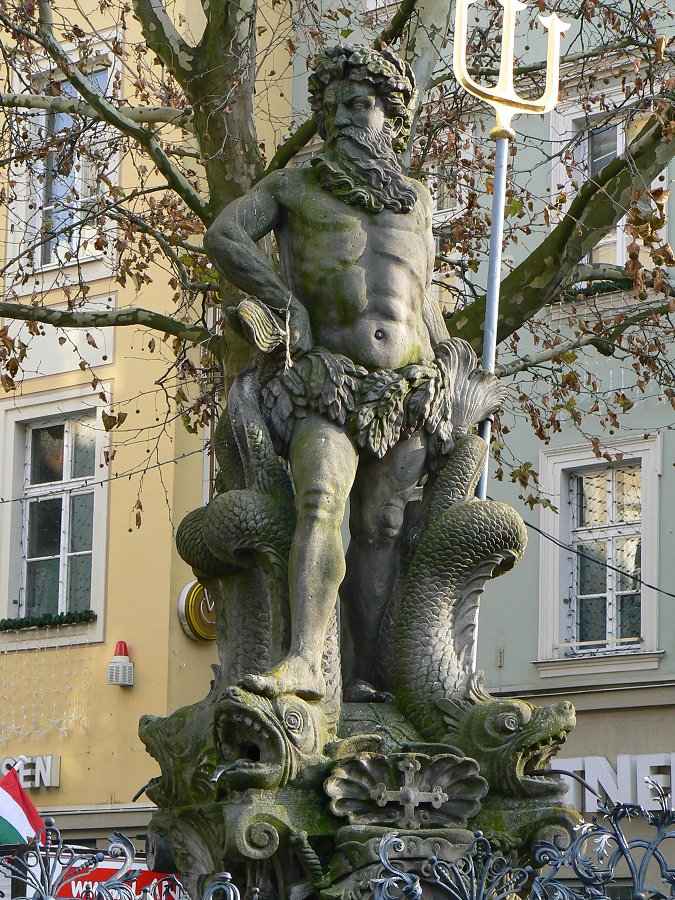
point(356, 393)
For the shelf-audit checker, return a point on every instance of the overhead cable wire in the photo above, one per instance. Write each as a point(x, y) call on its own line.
point(570, 549)
point(96, 482)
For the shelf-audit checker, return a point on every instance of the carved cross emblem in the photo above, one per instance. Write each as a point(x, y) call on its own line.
point(409, 795)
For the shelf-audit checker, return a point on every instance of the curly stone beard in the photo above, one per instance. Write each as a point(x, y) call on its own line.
point(361, 169)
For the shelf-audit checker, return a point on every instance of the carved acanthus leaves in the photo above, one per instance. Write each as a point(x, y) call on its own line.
point(445, 397)
point(406, 790)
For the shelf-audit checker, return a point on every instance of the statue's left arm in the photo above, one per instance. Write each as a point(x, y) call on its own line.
point(431, 309)
point(433, 319)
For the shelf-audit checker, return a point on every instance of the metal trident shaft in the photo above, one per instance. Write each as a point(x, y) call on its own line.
point(506, 103)
point(492, 298)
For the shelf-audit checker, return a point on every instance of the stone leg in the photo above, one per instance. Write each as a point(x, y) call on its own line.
point(323, 462)
point(381, 492)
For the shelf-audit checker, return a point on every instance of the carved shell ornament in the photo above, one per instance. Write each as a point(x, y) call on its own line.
point(406, 790)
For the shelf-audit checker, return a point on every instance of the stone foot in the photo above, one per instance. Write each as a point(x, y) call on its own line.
point(293, 675)
point(360, 691)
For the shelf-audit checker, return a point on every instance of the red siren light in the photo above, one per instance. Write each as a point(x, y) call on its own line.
point(121, 649)
point(121, 669)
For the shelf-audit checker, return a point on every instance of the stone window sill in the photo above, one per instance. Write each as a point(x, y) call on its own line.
point(47, 621)
point(66, 634)
point(599, 663)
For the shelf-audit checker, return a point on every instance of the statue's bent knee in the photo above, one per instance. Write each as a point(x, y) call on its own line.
point(321, 503)
point(385, 522)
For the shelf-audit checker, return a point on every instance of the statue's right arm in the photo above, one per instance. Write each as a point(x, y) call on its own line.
point(231, 243)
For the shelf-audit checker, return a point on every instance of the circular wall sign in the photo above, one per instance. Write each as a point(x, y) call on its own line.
point(197, 613)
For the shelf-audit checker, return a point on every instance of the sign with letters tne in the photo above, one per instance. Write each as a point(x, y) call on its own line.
point(622, 781)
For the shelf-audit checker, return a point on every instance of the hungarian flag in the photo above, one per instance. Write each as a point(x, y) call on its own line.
point(19, 820)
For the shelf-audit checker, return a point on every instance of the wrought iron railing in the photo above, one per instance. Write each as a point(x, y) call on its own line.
point(600, 855)
point(47, 868)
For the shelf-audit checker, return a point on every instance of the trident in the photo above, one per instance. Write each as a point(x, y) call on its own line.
point(507, 103)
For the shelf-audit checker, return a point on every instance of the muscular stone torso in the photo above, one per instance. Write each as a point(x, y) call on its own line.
point(361, 277)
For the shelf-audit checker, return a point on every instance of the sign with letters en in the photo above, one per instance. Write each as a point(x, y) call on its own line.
point(34, 771)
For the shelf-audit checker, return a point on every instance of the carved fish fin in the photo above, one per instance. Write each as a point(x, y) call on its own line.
point(454, 710)
point(466, 613)
point(260, 325)
point(476, 690)
point(457, 707)
point(349, 746)
point(474, 392)
point(262, 468)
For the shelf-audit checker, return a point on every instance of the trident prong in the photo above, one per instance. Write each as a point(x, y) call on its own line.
point(503, 97)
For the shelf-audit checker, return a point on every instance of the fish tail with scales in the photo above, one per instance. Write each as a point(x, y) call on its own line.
point(238, 544)
point(464, 543)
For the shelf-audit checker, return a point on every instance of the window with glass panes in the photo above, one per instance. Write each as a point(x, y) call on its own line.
point(604, 142)
point(606, 537)
point(585, 141)
point(70, 184)
point(58, 517)
point(603, 147)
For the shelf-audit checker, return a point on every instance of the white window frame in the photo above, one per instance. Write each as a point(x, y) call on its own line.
point(610, 532)
point(63, 489)
point(48, 359)
point(571, 117)
point(555, 468)
point(37, 193)
point(15, 415)
point(95, 264)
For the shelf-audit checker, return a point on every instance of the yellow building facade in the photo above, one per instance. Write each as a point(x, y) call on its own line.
point(77, 498)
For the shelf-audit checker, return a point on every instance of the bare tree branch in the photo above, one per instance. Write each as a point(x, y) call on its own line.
point(600, 204)
point(164, 39)
point(44, 36)
point(66, 318)
point(604, 342)
point(395, 29)
point(148, 114)
point(301, 136)
point(29, 247)
point(45, 13)
point(188, 285)
point(597, 272)
point(615, 275)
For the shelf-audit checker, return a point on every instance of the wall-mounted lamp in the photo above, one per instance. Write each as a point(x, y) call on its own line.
point(121, 669)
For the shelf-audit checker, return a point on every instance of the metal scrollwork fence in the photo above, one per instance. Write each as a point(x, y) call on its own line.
point(47, 868)
point(600, 854)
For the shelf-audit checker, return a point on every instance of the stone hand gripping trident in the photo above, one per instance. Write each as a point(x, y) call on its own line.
point(506, 103)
